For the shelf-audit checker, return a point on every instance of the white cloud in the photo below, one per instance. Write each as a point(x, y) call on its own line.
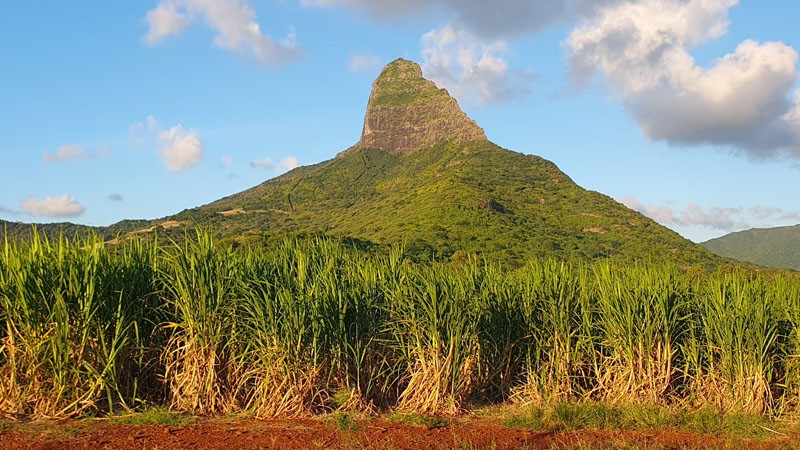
point(180, 150)
point(661, 214)
point(234, 22)
point(767, 213)
point(74, 152)
point(472, 68)
point(724, 219)
point(287, 163)
point(290, 162)
point(717, 218)
point(263, 164)
point(61, 206)
point(364, 62)
point(163, 21)
point(68, 153)
point(642, 51)
point(712, 217)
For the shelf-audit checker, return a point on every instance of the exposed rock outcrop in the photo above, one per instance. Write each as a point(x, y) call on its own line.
point(407, 113)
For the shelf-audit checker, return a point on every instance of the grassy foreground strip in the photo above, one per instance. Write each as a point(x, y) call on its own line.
point(603, 416)
point(315, 326)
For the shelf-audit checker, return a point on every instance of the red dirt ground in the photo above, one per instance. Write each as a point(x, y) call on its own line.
point(372, 434)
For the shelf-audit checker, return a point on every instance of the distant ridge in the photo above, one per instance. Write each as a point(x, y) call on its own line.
point(769, 247)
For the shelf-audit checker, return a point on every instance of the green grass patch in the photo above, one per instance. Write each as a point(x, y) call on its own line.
point(344, 422)
point(49, 429)
point(595, 415)
point(569, 416)
point(586, 415)
point(708, 421)
point(154, 416)
point(421, 420)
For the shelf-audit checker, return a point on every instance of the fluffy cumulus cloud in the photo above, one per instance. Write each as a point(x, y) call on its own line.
point(60, 206)
point(234, 21)
point(180, 149)
point(713, 218)
point(472, 68)
point(642, 50)
point(164, 20)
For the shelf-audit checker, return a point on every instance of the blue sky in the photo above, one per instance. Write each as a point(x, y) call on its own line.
point(682, 109)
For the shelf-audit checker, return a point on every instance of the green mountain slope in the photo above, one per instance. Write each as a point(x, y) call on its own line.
point(770, 247)
point(424, 173)
point(474, 197)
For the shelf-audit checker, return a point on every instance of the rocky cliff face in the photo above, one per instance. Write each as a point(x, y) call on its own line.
point(407, 113)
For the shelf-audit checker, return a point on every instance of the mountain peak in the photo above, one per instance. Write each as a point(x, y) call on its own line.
point(407, 113)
